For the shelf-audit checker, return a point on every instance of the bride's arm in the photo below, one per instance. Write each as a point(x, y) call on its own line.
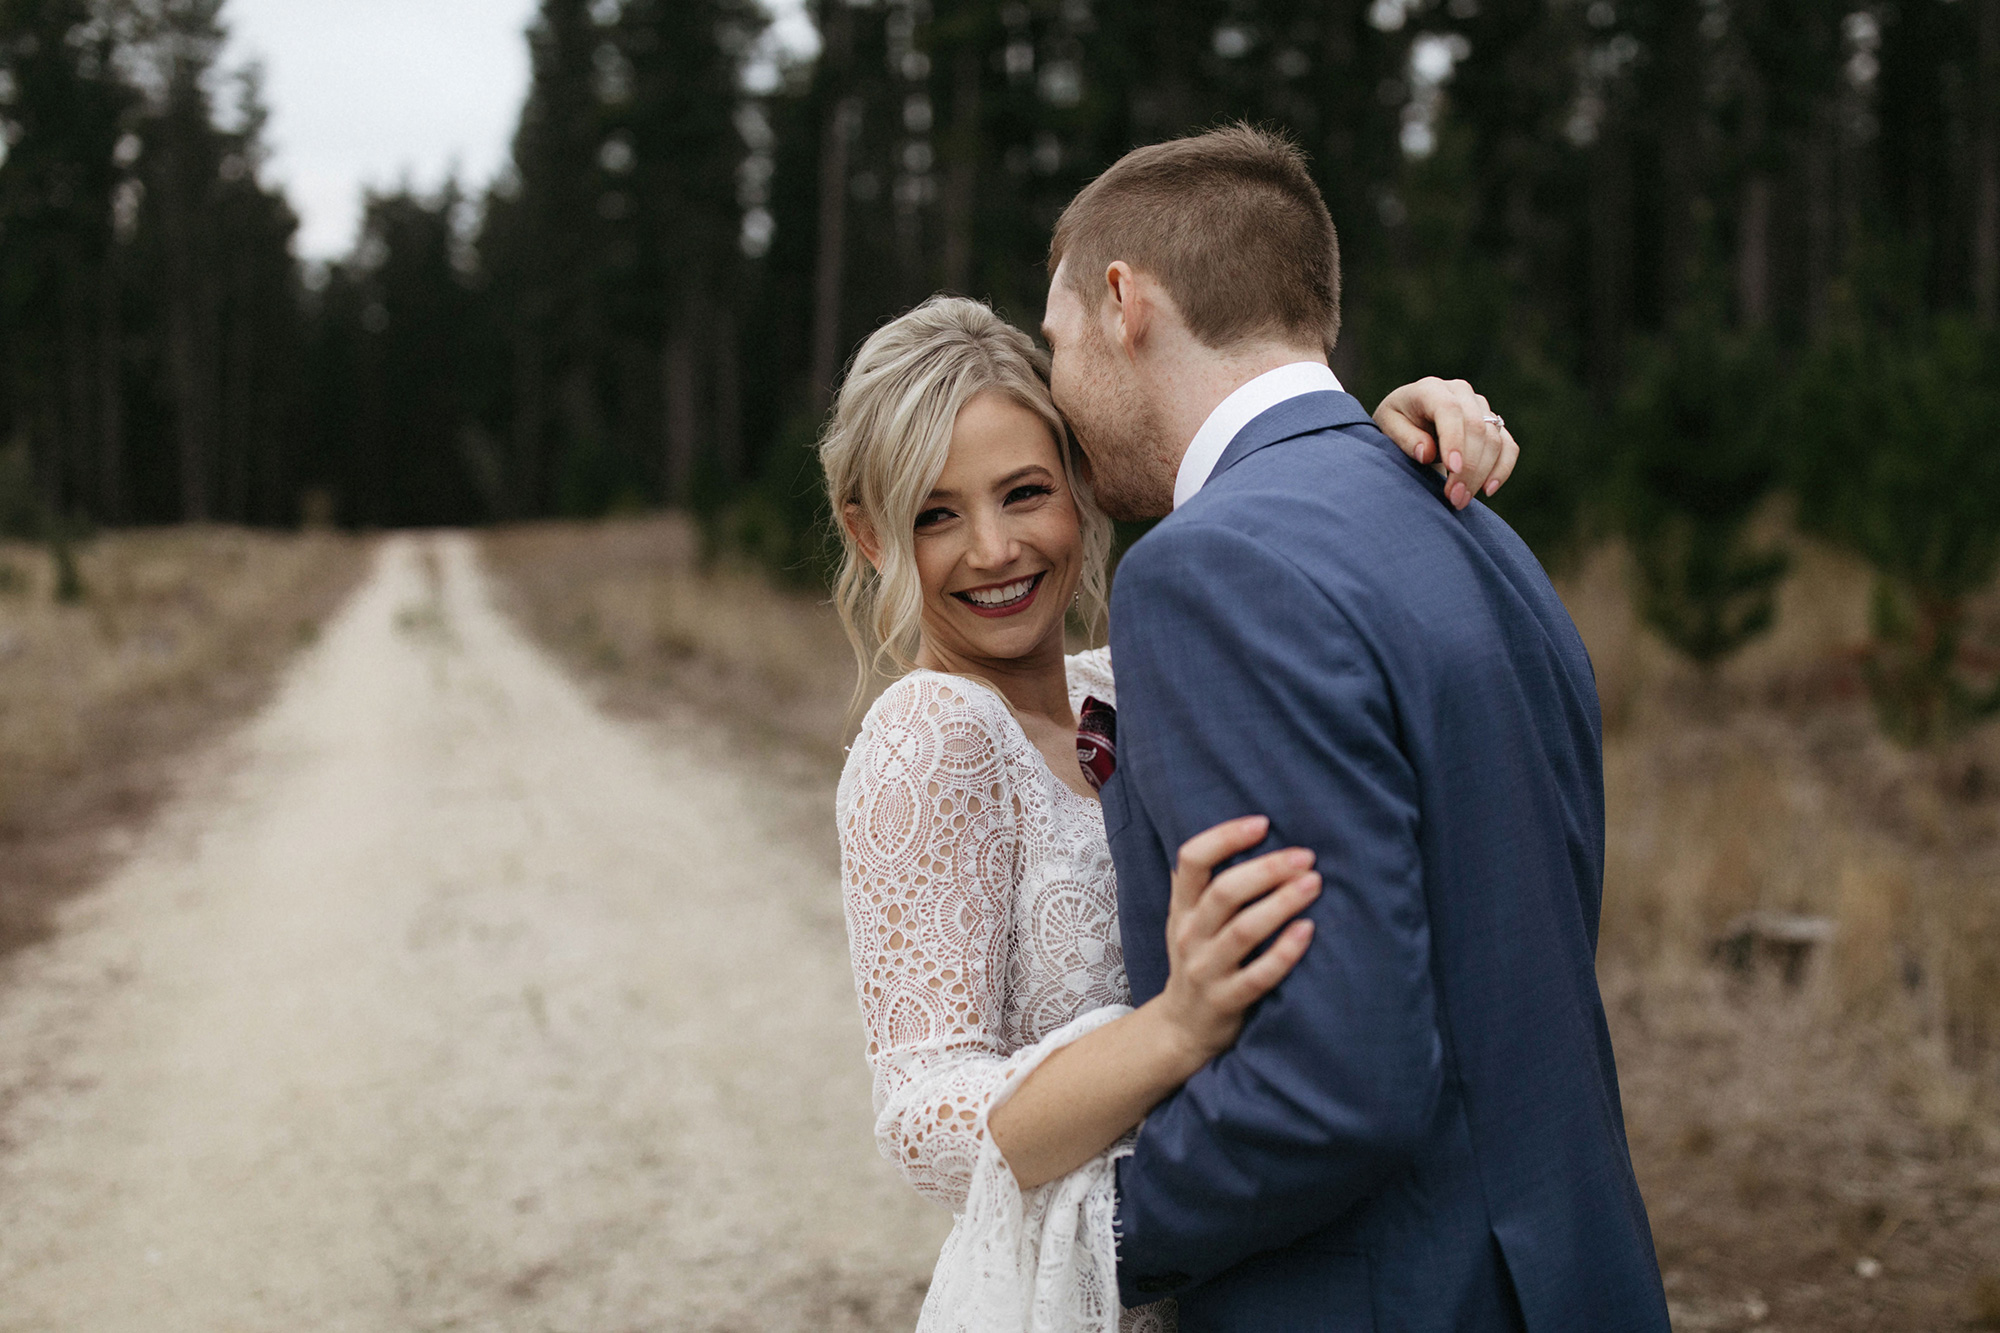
point(1082, 1098)
point(928, 845)
point(929, 840)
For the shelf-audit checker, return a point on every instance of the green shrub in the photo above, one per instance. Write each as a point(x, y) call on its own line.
point(1696, 464)
point(779, 520)
point(1891, 444)
point(25, 517)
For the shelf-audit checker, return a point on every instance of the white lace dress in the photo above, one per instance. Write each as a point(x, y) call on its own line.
point(982, 915)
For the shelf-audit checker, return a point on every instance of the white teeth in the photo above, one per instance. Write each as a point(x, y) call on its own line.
point(1012, 592)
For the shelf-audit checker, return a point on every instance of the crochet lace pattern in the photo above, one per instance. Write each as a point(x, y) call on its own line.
point(982, 920)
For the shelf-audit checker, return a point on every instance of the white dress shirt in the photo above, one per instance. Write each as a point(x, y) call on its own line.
point(1238, 410)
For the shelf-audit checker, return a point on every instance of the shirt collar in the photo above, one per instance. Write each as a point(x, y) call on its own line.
point(1239, 409)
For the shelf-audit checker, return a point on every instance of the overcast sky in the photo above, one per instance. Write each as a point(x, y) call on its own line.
point(375, 92)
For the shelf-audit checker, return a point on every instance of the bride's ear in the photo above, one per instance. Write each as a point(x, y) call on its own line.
point(863, 532)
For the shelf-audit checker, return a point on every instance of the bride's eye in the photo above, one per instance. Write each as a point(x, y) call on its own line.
point(1030, 491)
point(930, 518)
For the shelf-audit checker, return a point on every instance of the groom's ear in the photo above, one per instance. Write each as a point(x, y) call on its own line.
point(1126, 309)
point(863, 532)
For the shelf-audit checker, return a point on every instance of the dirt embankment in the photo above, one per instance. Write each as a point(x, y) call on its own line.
point(176, 633)
point(1819, 1153)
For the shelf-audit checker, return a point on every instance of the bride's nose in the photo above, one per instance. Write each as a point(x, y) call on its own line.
point(992, 546)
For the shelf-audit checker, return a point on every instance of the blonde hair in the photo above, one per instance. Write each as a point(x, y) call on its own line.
point(886, 445)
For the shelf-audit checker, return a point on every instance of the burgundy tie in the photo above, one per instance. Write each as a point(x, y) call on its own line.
point(1097, 741)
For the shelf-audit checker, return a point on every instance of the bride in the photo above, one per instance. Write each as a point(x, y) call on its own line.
point(1009, 1067)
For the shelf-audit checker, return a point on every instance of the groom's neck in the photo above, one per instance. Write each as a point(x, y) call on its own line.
point(1192, 379)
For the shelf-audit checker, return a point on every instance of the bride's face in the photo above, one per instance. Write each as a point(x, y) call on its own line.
point(998, 546)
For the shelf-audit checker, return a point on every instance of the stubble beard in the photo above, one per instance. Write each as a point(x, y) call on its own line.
point(1132, 464)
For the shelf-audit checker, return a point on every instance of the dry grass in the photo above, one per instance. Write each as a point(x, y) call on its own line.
point(178, 632)
point(1768, 787)
point(629, 603)
point(1819, 1156)
point(1824, 1155)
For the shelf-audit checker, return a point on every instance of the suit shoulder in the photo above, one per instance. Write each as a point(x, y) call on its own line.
point(1342, 477)
point(1194, 543)
point(1200, 574)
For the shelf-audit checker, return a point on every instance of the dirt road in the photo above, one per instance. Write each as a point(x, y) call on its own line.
point(441, 1001)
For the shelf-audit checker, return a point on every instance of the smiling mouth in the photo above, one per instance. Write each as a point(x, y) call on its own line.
point(1002, 599)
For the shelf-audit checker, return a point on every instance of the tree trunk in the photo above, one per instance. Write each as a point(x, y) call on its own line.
point(1753, 219)
point(1819, 217)
point(188, 345)
point(728, 432)
point(1610, 265)
point(961, 193)
point(238, 395)
point(843, 118)
point(189, 368)
point(79, 361)
point(45, 453)
point(683, 416)
point(525, 483)
point(1680, 146)
point(110, 396)
point(828, 265)
point(1753, 253)
point(1986, 169)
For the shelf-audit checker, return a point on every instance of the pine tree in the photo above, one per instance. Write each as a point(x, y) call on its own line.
point(210, 277)
point(63, 109)
point(670, 159)
point(539, 245)
point(410, 461)
point(1891, 434)
point(1698, 463)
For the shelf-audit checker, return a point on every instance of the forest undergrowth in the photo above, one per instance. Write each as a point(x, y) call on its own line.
point(163, 638)
point(1816, 1127)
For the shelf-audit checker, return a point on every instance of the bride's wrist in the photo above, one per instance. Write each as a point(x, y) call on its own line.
point(1177, 1048)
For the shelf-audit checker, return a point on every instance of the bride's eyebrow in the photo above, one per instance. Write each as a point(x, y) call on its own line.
point(942, 496)
point(1020, 474)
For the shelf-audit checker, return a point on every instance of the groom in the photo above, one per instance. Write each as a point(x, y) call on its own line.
point(1420, 1129)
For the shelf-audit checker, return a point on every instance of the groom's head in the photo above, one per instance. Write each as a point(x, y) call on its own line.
point(1182, 263)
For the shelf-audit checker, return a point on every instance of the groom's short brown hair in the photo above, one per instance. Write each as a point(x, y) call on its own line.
point(1231, 224)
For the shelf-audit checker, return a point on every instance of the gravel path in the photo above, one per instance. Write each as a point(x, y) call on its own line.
point(441, 1001)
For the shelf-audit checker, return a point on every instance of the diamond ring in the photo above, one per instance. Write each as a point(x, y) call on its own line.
point(1495, 419)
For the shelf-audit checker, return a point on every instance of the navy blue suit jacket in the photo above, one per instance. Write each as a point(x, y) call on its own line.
point(1420, 1128)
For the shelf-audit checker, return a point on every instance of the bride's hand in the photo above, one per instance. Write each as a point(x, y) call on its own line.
point(1448, 422)
point(1216, 921)
point(1083, 1096)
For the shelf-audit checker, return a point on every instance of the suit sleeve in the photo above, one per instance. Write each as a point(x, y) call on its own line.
point(1247, 690)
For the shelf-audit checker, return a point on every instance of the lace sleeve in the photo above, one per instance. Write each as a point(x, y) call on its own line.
point(932, 854)
point(928, 834)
